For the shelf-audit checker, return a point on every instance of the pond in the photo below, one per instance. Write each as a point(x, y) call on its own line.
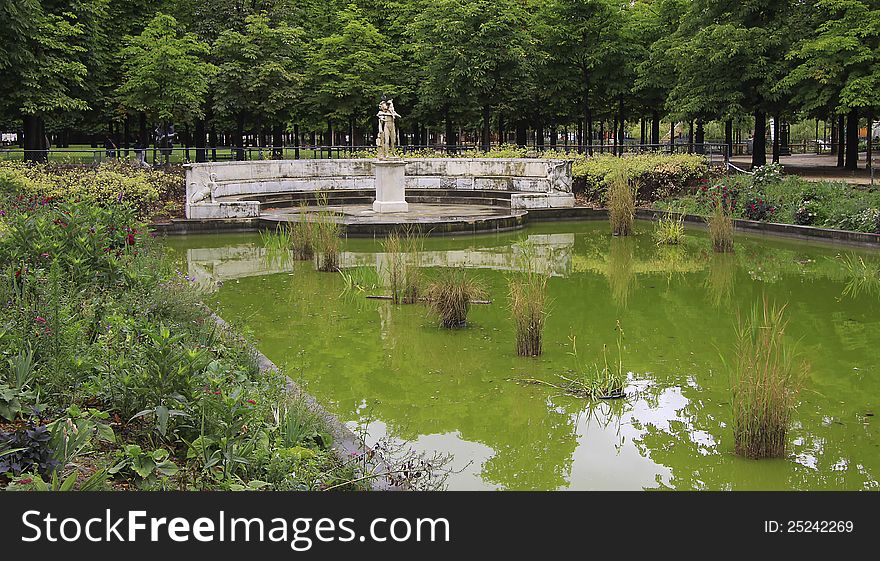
point(391, 371)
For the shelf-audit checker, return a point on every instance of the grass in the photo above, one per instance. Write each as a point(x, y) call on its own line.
point(326, 238)
point(598, 381)
point(720, 279)
point(450, 295)
point(669, 230)
point(720, 224)
point(527, 294)
point(403, 267)
point(621, 203)
point(621, 278)
point(765, 383)
point(302, 236)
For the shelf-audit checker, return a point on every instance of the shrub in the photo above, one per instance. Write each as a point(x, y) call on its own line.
point(450, 297)
point(758, 208)
point(656, 175)
point(765, 175)
point(106, 185)
point(765, 384)
point(621, 203)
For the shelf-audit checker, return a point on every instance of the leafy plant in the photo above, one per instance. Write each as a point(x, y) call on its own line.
point(147, 466)
point(527, 293)
point(27, 449)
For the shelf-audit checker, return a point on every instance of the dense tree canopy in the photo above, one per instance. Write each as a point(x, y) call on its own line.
point(269, 67)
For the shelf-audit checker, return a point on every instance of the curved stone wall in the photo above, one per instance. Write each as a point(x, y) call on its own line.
point(214, 190)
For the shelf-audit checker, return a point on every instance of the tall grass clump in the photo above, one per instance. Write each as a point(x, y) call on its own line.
point(765, 383)
point(720, 224)
point(527, 293)
point(302, 236)
point(327, 242)
point(404, 267)
point(669, 230)
point(621, 203)
point(450, 296)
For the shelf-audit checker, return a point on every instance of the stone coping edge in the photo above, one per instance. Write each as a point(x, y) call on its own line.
point(345, 443)
point(184, 226)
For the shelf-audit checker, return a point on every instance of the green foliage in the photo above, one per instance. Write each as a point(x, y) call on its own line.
point(656, 175)
point(127, 332)
point(164, 73)
point(105, 185)
point(720, 224)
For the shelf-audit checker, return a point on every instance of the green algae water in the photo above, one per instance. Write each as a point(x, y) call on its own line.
point(389, 371)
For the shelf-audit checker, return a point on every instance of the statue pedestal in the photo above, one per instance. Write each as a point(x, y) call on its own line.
point(390, 195)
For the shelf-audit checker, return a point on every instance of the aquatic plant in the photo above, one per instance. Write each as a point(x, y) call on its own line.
point(302, 236)
point(527, 292)
point(765, 383)
point(325, 233)
point(621, 203)
point(720, 224)
point(669, 230)
point(403, 266)
point(863, 277)
point(597, 381)
point(450, 296)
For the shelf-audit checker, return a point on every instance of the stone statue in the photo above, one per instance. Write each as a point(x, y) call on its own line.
point(386, 139)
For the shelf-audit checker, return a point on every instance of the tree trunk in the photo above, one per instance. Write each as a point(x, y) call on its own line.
point(450, 143)
point(691, 137)
point(553, 136)
point(776, 139)
point(728, 138)
point(833, 135)
point(655, 128)
point(852, 140)
point(539, 136)
point(238, 138)
point(870, 143)
point(501, 130)
point(296, 141)
point(700, 138)
point(521, 133)
point(35, 149)
point(201, 152)
point(671, 136)
point(126, 135)
point(841, 140)
point(277, 141)
point(759, 140)
point(602, 136)
point(487, 132)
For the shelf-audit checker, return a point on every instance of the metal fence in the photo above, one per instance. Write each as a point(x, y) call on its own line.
point(716, 153)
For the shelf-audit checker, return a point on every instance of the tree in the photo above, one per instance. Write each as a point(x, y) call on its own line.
point(350, 70)
point(473, 54)
point(164, 72)
point(260, 74)
point(838, 67)
point(43, 68)
point(588, 42)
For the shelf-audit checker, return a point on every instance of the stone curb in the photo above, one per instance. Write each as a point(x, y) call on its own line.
point(184, 226)
point(345, 443)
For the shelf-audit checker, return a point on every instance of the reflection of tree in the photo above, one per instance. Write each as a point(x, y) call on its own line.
point(719, 281)
point(620, 269)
